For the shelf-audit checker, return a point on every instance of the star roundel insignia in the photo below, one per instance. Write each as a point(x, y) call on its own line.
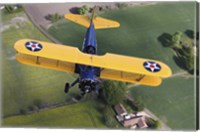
point(152, 66)
point(33, 46)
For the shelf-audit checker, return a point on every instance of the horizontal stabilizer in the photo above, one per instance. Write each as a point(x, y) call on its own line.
point(99, 23)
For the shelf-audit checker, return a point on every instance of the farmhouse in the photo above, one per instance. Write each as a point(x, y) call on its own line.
point(129, 120)
point(120, 110)
point(138, 121)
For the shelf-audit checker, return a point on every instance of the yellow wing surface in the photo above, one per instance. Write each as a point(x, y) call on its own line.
point(45, 57)
point(64, 58)
point(99, 23)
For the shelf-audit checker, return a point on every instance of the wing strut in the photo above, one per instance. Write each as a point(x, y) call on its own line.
point(140, 78)
point(37, 60)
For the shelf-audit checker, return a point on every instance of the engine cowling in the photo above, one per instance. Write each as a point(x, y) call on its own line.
point(87, 86)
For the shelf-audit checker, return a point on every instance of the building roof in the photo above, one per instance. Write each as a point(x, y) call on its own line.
point(120, 109)
point(139, 121)
point(142, 123)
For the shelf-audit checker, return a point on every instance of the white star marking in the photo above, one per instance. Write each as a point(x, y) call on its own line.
point(33, 46)
point(152, 66)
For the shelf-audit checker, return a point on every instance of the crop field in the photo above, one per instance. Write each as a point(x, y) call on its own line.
point(80, 115)
point(23, 84)
point(139, 35)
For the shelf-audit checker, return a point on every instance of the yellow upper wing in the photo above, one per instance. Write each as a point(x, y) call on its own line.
point(99, 22)
point(64, 58)
point(38, 58)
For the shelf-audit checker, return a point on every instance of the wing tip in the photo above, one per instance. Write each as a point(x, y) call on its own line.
point(168, 72)
point(18, 42)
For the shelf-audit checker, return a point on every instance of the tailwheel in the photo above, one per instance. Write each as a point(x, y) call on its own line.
point(67, 86)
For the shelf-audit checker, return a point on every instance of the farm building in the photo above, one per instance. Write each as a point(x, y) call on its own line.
point(129, 120)
point(138, 121)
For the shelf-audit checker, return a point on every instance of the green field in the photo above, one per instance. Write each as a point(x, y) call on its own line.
point(23, 84)
point(5, 17)
point(138, 35)
point(81, 115)
point(173, 101)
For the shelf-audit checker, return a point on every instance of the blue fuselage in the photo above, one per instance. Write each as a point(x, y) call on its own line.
point(90, 38)
point(89, 47)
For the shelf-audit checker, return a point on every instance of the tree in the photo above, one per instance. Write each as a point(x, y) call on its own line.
point(175, 41)
point(22, 111)
point(136, 105)
point(83, 10)
point(152, 123)
point(9, 8)
point(188, 56)
point(108, 117)
point(121, 5)
point(157, 124)
point(31, 108)
point(38, 103)
point(197, 62)
point(18, 6)
point(55, 17)
point(189, 61)
point(139, 104)
point(113, 92)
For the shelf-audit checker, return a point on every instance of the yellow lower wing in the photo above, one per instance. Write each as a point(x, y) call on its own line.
point(45, 62)
point(64, 58)
point(130, 77)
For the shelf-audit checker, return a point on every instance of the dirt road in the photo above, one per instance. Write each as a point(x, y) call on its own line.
point(38, 12)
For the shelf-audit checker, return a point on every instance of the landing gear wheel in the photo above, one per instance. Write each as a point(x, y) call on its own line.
point(66, 88)
point(82, 93)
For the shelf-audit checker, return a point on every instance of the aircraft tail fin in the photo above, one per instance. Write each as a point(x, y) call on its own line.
point(99, 22)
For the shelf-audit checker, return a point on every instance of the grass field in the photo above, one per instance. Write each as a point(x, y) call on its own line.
point(23, 84)
point(138, 35)
point(81, 115)
point(173, 101)
point(7, 17)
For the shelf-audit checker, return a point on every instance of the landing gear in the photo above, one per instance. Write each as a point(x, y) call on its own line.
point(82, 93)
point(67, 86)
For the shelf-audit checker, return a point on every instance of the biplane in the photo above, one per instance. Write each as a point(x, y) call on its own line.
point(90, 66)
